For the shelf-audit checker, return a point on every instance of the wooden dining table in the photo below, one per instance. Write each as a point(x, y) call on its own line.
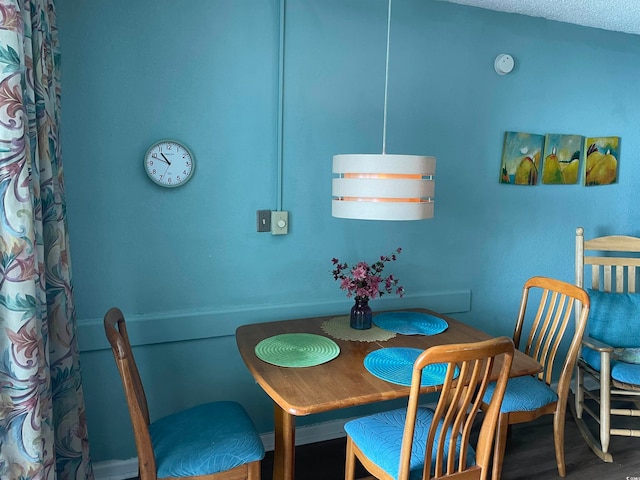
point(342, 382)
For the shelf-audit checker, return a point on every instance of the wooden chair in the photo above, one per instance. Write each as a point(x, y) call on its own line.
point(611, 349)
point(413, 440)
point(527, 398)
point(214, 441)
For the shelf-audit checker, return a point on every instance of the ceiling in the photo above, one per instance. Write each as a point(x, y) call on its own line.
point(616, 15)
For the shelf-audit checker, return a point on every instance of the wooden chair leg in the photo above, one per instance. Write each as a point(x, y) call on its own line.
point(350, 462)
point(500, 445)
point(605, 401)
point(253, 471)
point(579, 395)
point(558, 439)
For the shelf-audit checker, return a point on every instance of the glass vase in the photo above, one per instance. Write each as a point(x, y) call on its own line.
point(361, 314)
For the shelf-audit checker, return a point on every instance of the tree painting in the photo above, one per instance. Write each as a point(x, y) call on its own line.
point(562, 159)
point(603, 154)
point(521, 158)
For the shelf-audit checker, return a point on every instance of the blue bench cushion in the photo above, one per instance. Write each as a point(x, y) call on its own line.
point(614, 318)
point(630, 355)
point(379, 437)
point(206, 439)
point(523, 394)
point(621, 371)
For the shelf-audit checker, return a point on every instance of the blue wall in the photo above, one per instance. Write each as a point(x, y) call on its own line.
point(187, 265)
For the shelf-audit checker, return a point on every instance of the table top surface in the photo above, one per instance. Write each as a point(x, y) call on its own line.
point(344, 381)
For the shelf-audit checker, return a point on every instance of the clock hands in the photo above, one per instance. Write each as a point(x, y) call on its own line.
point(166, 170)
point(163, 159)
point(178, 163)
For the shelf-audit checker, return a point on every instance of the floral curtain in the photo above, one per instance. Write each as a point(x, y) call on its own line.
point(42, 420)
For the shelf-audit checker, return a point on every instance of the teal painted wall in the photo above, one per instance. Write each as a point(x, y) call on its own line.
point(187, 266)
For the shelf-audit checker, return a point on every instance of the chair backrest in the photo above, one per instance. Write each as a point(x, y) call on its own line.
point(116, 331)
point(557, 301)
point(607, 267)
point(469, 368)
point(614, 268)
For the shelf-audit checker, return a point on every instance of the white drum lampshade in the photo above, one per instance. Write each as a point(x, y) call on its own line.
point(383, 187)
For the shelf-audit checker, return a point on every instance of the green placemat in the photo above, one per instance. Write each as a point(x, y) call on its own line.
point(339, 328)
point(297, 350)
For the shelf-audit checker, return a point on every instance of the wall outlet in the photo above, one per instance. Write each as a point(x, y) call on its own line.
point(263, 218)
point(279, 223)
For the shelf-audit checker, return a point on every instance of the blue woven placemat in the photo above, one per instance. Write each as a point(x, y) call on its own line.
point(411, 323)
point(395, 365)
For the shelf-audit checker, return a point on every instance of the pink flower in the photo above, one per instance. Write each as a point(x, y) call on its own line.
point(364, 280)
point(359, 272)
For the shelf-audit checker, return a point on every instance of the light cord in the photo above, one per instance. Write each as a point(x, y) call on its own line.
point(386, 83)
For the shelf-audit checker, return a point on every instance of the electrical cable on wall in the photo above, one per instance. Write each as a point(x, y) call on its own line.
point(280, 126)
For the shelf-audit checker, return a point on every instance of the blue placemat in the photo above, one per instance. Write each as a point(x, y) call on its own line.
point(411, 323)
point(395, 365)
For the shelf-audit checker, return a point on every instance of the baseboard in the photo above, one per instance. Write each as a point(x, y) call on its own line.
point(116, 469)
point(126, 469)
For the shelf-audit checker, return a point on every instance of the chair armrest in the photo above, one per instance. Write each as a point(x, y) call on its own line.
point(596, 345)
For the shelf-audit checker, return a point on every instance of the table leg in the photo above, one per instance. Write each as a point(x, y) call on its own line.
point(285, 444)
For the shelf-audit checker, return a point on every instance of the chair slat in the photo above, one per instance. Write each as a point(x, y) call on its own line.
point(606, 270)
point(595, 277)
point(611, 261)
point(540, 323)
point(619, 271)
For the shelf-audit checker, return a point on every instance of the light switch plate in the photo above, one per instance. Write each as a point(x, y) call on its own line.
point(263, 218)
point(279, 222)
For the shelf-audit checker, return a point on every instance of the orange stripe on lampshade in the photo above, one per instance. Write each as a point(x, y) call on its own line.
point(369, 199)
point(403, 176)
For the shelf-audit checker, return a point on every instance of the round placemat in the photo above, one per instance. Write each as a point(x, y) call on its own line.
point(297, 350)
point(411, 323)
point(339, 327)
point(395, 365)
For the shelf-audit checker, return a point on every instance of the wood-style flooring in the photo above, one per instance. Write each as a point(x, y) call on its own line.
point(529, 455)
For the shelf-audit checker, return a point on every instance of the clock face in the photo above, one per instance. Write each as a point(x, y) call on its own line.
point(169, 163)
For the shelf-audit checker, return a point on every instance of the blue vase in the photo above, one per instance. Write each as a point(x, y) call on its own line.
point(361, 314)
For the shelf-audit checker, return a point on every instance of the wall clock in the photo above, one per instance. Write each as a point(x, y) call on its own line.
point(169, 163)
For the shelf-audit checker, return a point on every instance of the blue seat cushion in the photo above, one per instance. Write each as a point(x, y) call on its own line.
point(379, 437)
point(614, 318)
point(626, 372)
point(206, 439)
point(621, 371)
point(523, 394)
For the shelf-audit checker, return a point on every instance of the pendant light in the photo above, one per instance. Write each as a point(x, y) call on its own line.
point(383, 186)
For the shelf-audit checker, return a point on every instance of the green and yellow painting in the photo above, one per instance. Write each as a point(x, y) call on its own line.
point(603, 155)
point(562, 159)
point(521, 155)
